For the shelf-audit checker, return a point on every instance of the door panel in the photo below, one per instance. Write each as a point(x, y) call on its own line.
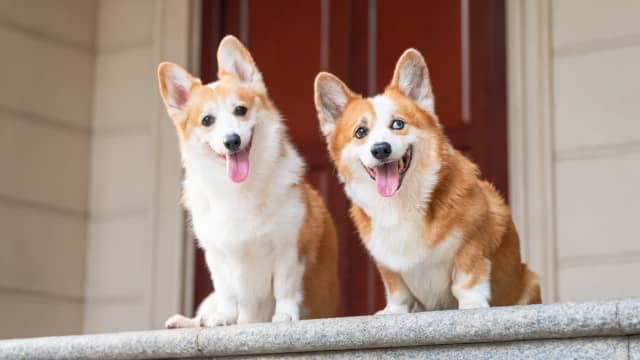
point(360, 41)
point(435, 30)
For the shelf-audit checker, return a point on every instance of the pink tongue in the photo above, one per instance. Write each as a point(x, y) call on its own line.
point(238, 166)
point(387, 179)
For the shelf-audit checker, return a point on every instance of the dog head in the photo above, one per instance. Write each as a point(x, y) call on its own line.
point(217, 123)
point(387, 140)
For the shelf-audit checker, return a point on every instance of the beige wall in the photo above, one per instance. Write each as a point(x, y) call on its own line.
point(596, 107)
point(574, 140)
point(119, 240)
point(135, 247)
point(92, 231)
point(46, 86)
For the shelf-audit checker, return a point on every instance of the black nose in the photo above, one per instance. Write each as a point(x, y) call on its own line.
point(381, 150)
point(232, 142)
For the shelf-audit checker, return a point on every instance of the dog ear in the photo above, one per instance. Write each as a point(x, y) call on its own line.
point(411, 77)
point(176, 86)
point(331, 98)
point(235, 60)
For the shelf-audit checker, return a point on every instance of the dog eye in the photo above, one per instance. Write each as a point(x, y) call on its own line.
point(397, 124)
point(207, 120)
point(240, 110)
point(361, 132)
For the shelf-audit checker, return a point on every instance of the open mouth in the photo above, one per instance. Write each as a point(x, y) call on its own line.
point(389, 176)
point(237, 163)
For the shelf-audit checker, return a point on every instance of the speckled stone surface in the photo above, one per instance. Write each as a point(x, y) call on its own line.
point(629, 315)
point(159, 344)
point(429, 328)
point(585, 330)
point(565, 349)
point(634, 348)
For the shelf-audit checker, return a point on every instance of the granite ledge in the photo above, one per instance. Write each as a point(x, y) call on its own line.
point(494, 325)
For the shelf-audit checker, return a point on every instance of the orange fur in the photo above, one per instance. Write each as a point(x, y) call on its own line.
point(391, 279)
point(319, 248)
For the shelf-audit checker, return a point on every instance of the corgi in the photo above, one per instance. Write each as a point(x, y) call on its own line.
point(269, 241)
point(441, 237)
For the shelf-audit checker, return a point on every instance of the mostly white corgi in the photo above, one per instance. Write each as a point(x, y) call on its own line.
point(269, 242)
point(441, 237)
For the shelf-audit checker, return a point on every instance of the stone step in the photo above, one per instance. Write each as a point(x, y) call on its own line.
point(588, 330)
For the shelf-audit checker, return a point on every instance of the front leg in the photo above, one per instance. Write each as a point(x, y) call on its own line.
point(287, 287)
point(223, 309)
point(400, 300)
point(471, 276)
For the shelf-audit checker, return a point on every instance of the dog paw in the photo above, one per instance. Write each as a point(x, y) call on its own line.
point(462, 305)
point(383, 312)
point(179, 321)
point(218, 319)
point(282, 317)
point(393, 309)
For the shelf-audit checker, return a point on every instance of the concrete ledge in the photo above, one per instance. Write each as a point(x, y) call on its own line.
point(604, 328)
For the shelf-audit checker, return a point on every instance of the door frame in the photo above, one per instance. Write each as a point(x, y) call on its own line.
point(530, 136)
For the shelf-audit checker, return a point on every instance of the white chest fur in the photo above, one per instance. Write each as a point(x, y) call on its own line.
point(430, 280)
point(397, 246)
point(230, 223)
point(397, 242)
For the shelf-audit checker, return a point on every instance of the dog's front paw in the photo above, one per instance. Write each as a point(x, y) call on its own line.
point(384, 311)
point(283, 317)
point(218, 319)
point(179, 321)
point(393, 309)
point(474, 304)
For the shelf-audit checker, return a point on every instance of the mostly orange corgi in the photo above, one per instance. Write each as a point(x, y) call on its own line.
point(269, 242)
point(442, 238)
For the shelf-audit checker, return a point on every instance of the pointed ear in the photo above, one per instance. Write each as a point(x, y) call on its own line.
point(411, 77)
point(176, 86)
point(331, 98)
point(234, 59)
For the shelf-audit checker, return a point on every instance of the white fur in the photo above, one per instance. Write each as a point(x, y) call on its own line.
point(477, 296)
point(249, 230)
point(226, 123)
point(430, 280)
point(384, 108)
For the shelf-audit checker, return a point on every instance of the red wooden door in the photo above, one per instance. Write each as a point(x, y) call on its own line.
point(360, 41)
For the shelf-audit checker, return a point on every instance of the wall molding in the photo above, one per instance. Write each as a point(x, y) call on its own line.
point(188, 275)
point(8, 290)
point(597, 45)
point(43, 36)
point(597, 151)
point(172, 27)
point(530, 137)
point(51, 123)
point(627, 257)
point(120, 130)
point(38, 206)
point(119, 49)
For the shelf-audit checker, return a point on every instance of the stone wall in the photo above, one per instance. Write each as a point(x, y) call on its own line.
point(591, 330)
